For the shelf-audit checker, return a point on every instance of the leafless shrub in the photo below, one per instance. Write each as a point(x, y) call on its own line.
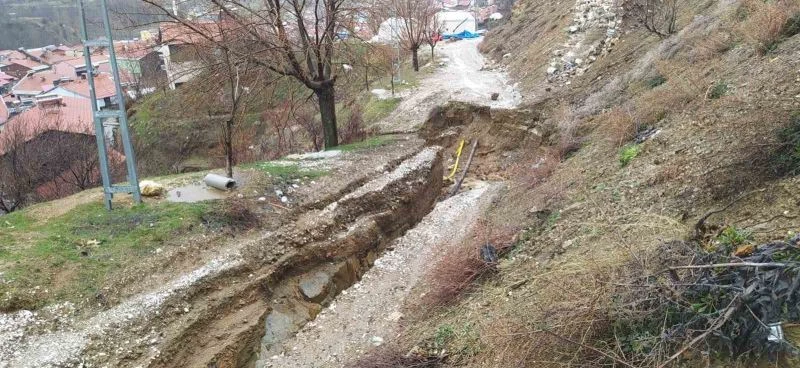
point(313, 131)
point(765, 22)
point(392, 356)
point(657, 16)
point(617, 126)
point(712, 45)
point(353, 131)
point(464, 264)
point(568, 125)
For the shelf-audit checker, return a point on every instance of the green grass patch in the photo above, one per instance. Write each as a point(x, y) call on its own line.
point(628, 153)
point(377, 109)
point(374, 142)
point(70, 256)
point(285, 171)
point(656, 81)
point(732, 237)
point(719, 90)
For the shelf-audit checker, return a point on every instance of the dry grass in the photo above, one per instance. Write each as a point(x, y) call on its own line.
point(617, 126)
point(463, 265)
point(764, 26)
point(392, 356)
point(712, 45)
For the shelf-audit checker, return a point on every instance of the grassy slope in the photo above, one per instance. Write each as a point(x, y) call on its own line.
point(69, 249)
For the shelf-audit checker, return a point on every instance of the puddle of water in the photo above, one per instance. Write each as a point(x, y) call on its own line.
point(195, 193)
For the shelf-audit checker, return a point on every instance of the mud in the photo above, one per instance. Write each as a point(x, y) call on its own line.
point(195, 193)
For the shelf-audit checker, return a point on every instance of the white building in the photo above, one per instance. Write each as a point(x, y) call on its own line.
point(456, 21)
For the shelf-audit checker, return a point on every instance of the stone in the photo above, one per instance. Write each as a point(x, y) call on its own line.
point(376, 340)
point(495, 96)
point(150, 188)
point(314, 287)
point(573, 29)
point(262, 199)
point(552, 70)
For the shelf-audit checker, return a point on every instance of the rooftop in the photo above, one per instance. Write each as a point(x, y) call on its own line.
point(36, 83)
point(65, 114)
point(30, 64)
point(103, 86)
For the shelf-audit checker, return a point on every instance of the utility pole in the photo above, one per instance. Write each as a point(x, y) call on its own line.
point(111, 117)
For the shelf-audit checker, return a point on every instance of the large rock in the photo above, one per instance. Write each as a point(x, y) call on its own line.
point(314, 287)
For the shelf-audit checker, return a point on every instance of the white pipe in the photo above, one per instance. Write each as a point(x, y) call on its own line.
point(219, 182)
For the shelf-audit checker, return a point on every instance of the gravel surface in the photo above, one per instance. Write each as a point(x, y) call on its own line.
point(368, 313)
point(66, 347)
point(462, 78)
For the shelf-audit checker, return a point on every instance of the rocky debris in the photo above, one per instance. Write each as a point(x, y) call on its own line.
point(494, 96)
point(314, 286)
point(593, 33)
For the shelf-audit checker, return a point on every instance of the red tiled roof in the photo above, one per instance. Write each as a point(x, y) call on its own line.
point(132, 50)
point(78, 62)
point(30, 64)
point(194, 34)
point(103, 86)
point(69, 114)
point(37, 82)
point(12, 54)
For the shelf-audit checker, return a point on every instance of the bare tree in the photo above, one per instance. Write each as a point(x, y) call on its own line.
point(413, 17)
point(657, 16)
point(433, 32)
point(43, 157)
point(294, 38)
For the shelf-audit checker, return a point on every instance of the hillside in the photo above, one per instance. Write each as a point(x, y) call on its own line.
point(599, 188)
point(32, 24)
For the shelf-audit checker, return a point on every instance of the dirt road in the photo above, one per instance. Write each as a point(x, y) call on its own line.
point(461, 78)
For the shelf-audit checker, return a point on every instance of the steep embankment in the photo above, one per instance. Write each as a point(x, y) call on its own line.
point(650, 135)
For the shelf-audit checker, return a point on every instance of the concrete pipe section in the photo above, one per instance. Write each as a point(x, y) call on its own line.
point(219, 182)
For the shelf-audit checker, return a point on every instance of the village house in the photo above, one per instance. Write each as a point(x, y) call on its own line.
point(18, 68)
point(55, 139)
point(178, 47)
point(35, 84)
point(105, 90)
point(143, 67)
point(76, 67)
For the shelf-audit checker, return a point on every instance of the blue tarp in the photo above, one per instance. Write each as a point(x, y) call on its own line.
point(460, 36)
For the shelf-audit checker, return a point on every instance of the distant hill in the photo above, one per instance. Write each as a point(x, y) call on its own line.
point(29, 24)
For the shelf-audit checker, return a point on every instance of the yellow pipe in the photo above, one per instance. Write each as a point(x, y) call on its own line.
point(458, 156)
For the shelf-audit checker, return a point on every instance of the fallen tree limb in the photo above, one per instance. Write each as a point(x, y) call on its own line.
point(738, 264)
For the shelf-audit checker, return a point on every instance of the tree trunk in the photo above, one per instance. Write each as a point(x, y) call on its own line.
point(432, 55)
point(327, 111)
point(415, 58)
point(366, 77)
point(228, 143)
